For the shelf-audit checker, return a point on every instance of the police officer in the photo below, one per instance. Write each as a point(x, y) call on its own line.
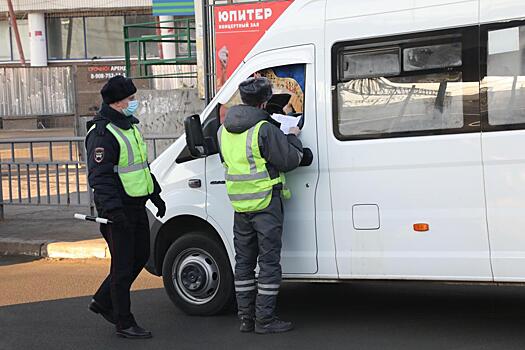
point(256, 154)
point(120, 176)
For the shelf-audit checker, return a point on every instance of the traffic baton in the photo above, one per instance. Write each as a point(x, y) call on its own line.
point(93, 218)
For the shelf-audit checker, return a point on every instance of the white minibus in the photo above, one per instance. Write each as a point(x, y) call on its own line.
point(415, 114)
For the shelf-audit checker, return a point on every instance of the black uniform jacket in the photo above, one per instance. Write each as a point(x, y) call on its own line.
point(103, 152)
point(282, 152)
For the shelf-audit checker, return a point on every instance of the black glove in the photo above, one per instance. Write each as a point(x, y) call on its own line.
point(308, 157)
point(160, 204)
point(118, 217)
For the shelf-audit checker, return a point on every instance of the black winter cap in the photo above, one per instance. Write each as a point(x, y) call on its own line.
point(255, 91)
point(117, 89)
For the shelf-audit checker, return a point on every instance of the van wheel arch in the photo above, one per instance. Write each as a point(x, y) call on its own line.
point(177, 227)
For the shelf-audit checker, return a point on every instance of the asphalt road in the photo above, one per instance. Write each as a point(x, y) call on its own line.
point(43, 306)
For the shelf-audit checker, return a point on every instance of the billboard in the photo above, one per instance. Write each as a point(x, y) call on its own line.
point(237, 29)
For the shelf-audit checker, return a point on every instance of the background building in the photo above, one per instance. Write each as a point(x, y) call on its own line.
point(72, 30)
point(78, 45)
point(71, 47)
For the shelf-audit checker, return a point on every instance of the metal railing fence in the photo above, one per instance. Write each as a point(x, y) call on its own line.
point(51, 171)
point(180, 32)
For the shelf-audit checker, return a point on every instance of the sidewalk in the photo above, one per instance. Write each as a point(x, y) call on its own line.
point(50, 232)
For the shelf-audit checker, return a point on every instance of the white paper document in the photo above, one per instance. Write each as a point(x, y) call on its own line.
point(286, 121)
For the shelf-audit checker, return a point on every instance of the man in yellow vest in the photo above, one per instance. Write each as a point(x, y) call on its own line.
point(119, 173)
point(256, 154)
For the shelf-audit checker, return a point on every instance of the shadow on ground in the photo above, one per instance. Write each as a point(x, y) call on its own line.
point(47, 223)
point(13, 260)
point(370, 315)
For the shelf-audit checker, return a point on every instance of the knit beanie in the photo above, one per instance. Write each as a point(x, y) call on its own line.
point(255, 91)
point(117, 89)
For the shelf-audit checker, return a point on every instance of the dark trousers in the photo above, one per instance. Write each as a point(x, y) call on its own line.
point(129, 247)
point(257, 238)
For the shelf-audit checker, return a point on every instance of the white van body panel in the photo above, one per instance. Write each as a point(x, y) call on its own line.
point(385, 23)
point(166, 160)
point(491, 11)
point(450, 200)
point(226, 239)
point(337, 9)
point(504, 161)
point(173, 179)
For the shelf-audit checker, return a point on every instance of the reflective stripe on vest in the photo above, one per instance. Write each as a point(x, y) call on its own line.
point(248, 183)
point(253, 175)
point(132, 167)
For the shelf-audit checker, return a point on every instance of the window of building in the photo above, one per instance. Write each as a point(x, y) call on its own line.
point(407, 87)
point(23, 29)
point(70, 38)
point(505, 80)
point(65, 38)
point(5, 39)
point(104, 37)
point(85, 37)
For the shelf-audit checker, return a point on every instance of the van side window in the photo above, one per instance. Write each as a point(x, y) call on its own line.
point(432, 56)
point(504, 83)
point(404, 87)
point(370, 63)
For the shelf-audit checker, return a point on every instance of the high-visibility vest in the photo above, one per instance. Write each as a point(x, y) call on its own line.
point(248, 182)
point(132, 167)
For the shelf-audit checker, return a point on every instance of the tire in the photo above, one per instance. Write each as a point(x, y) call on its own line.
point(197, 275)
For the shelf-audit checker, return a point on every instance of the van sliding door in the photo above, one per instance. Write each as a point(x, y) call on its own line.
point(503, 115)
point(406, 150)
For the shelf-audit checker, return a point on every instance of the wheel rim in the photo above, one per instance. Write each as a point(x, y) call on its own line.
point(196, 276)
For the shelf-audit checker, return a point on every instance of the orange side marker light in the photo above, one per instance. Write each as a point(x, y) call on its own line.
point(420, 227)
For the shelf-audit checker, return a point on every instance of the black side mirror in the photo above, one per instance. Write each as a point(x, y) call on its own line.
point(194, 136)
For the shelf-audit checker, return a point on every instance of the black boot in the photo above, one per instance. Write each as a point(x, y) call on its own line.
point(99, 309)
point(247, 324)
point(134, 332)
point(273, 326)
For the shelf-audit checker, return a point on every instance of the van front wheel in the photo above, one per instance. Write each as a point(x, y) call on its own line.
point(197, 275)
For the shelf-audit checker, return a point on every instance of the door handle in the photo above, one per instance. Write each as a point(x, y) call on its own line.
point(194, 183)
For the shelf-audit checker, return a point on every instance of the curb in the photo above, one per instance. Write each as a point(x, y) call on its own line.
point(93, 248)
point(11, 246)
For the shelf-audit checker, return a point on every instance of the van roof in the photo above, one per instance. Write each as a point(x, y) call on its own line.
point(301, 23)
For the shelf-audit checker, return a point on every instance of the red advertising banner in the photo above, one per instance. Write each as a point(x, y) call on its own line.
point(237, 29)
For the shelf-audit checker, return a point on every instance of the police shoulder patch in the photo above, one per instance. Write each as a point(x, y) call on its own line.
point(99, 154)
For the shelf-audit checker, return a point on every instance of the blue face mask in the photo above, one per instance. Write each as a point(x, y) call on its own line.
point(131, 108)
